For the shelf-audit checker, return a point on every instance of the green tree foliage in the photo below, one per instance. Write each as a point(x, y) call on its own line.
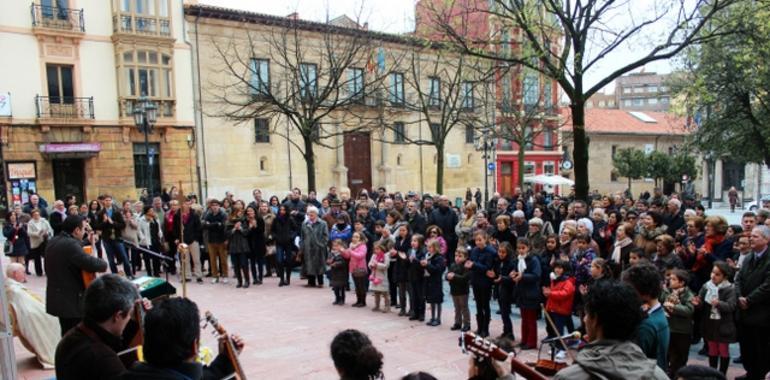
point(630, 163)
point(658, 166)
point(726, 89)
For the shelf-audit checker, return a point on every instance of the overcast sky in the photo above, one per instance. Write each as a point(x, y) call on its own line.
point(397, 16)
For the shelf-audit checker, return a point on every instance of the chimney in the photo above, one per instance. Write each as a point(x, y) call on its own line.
point(293, 16)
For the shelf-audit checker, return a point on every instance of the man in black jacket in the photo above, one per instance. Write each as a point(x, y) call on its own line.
point(673, 217)
point(65, 261)
point(57, 216)
point(111, 224)
point(214, 223)
point(446, 219)
point(90, 350)
point(416, 221)
point(171, 340)
point(752, 285)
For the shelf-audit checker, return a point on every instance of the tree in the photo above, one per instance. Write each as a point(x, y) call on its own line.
point(570, 39)
point(726, 87)
point(444, 84)
point(658, 165)
point(630, 163)
point(306, 73)
point(682, 163)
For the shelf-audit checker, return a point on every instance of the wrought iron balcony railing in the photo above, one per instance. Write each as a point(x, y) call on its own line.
point(44, 16)
point(126, 23)
point(64, 107)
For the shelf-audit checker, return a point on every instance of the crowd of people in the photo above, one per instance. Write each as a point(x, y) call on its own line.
point(696, 277)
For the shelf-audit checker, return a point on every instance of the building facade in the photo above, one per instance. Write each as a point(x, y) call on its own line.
point(611, 130)
point(76, 70)
point(240, 155)
point(643, 91)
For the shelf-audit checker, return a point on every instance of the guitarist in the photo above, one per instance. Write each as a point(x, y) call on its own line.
point(171, 342)
point(65, 261)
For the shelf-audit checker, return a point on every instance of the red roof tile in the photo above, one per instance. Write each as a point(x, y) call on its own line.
point(615, 121)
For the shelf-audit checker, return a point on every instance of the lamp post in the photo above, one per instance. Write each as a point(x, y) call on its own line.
point(145, 116)
point(710, 179)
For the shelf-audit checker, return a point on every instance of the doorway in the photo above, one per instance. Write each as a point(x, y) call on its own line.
point(69, 178)
point(358, 160)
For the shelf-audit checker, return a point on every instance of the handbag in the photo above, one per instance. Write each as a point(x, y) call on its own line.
point(8, 247)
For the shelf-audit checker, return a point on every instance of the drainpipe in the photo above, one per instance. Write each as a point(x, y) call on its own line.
point(203, 184)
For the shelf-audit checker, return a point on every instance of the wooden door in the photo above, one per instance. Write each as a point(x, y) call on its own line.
point(358, 160)
point(506, 178)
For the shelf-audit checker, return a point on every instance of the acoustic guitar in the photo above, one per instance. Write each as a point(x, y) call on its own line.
point(89, 277)
point(482, 348)
point(232, 351)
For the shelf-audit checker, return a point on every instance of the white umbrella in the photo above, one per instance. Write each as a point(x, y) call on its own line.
point(549, 179)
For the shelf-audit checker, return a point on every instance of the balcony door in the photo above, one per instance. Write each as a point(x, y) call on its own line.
point(60, 84)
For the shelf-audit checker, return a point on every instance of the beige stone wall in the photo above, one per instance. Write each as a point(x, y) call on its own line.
point(600, 160)
point(230, 158)
point(112, 170)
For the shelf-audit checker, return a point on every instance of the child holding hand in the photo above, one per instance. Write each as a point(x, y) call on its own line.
point(338, 271)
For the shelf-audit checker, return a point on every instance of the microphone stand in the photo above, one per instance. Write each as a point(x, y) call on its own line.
point(164, 259)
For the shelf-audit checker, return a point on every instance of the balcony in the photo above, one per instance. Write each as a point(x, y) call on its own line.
point(149, 26)
point(64, 107)
point(165, 107)
point(61, 19)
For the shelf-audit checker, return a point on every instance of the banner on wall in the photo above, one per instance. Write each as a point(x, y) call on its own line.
point(23, 178)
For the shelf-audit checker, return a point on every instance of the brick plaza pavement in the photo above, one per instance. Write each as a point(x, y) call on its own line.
point(287, 331)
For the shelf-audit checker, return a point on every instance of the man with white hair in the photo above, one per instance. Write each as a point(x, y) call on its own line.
point(38, 331)
point(752, 286)
point(673, 217)
point(519, 223)
point(314, 242)
point(57, 216)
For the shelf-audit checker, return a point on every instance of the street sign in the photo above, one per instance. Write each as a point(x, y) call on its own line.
point(491, 166)
point(566, 165)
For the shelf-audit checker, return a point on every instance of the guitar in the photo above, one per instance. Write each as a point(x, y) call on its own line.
point(134, 351)
point(232, 352)
point(483, 348)
point(89, 277)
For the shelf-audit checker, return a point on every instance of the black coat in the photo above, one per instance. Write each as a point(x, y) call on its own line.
point(446, 219)
point(110, 231)
point(215, 225)
point(527, 292)
point(56, 221)
point(192, 229)
point(219, 369)
point(434, 287)
point(283, 231)
point(416, 222)
point(416, 271)
point(459, 284)
point(90, 352)
point(401, 273)
point(506, 286)
point(64, 263)
point(256, 237)
point(753, 282)
point(483, 260)
point(505, 235)
point(338, 271)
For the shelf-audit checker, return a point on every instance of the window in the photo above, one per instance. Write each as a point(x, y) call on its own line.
point(141, 161)
point(529, 168)
point(146, 73)
point(664, 100)
point(614, 175)
point(399, 134)
point(467, 94)
point(627, 102)
point(507, 101)
point(528, 138)
point(60, 88)
point(263, 164)
point(469, 134)
point(259, 83)
point(626, 90)
point(614, 151)
point(549, 167)
point(308, 80)
point(638, 102)
point(506, 41)
point(434, 96)
point(602, 104)
point(663, 88)
point(548, 138)
point(548, 95)
point(54, 9)
point(652, 101)
point(398, 159)
point(261, 131)
point(652, 89)
point(356, 83)
point(397, 88)
point(531, 90)
point(144, 17)
point(638, 90)
point(435, 132)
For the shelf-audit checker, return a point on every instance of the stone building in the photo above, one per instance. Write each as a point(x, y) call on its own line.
point(610, 130)
point(643, 91)
point(240, 155)
point(72, 71)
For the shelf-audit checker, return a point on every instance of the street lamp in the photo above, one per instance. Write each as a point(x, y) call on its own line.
point(145, 117)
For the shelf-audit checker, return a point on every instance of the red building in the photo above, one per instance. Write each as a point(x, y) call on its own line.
point(518, 91)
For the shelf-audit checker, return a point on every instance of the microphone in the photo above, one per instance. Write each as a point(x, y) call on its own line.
point(572, 335)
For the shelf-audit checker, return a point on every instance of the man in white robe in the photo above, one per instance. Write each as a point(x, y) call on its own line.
point(38, 331)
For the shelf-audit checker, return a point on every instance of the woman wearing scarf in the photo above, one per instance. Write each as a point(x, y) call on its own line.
point(652, 227)
point(718, 300)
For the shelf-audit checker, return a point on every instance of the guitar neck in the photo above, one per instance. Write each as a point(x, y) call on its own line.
point(232, 353)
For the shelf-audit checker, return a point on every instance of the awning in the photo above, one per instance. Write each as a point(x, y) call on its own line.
point(549, 179)
point(70, 150)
